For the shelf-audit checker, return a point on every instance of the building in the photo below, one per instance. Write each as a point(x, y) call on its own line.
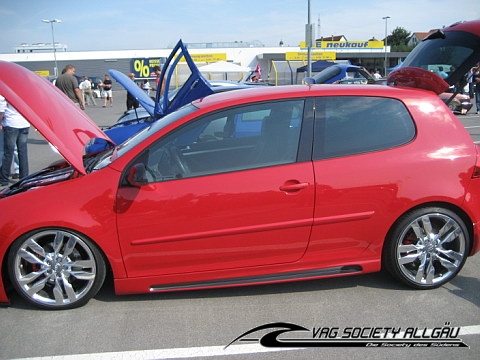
point(418, 37)
point(278, 64)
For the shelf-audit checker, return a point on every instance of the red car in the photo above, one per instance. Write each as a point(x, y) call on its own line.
point(255, 186)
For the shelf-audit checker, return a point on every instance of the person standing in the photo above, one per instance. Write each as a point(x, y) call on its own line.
point(107, 91)
point(158, 71)
point(86, 87)
point(377, 75)
point(68, 84)
point(476, 82)
point(132, 103)
point(146, 87)
point(15, 133)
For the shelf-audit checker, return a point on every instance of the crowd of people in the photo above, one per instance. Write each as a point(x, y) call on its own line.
point(82, 93)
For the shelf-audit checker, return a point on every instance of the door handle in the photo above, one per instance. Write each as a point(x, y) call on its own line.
point(293, 186)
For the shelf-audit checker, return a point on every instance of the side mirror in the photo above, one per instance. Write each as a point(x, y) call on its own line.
point(137, 175)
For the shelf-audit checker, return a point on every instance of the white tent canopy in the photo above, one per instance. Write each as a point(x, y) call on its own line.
point(224, 67)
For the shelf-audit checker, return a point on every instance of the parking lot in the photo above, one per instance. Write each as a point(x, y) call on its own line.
point(200, 324)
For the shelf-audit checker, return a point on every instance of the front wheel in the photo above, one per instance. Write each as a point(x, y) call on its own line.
point(427, 247)
point(56, 268)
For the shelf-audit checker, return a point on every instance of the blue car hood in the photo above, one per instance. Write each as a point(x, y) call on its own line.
point(134, 90)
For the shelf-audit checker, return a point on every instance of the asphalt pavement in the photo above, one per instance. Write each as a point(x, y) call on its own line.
point(106, 116)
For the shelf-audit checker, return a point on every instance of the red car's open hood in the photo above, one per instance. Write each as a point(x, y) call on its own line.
point(47, 109)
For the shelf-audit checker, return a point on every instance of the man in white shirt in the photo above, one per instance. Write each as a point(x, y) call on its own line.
point(15, 133)
point(86, 87)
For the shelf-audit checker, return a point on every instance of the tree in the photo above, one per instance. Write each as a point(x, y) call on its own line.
point(398, 39)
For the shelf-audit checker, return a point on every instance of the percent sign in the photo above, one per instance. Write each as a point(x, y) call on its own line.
point(142, 69)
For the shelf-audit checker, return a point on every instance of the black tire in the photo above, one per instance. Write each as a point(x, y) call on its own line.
point(427, 247)
point(56, 268)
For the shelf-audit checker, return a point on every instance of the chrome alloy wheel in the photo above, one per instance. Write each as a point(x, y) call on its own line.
point(430, 249)
point(56, 269)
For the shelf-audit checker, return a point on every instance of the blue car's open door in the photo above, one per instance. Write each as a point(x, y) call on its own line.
point(180, 82)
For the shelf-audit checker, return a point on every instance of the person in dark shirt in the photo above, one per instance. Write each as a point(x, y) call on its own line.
point(107, 91)
point(476, 81)
point(68, 84)
point(132, 103)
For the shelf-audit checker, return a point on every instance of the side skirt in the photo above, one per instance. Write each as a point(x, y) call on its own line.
point(250, 280)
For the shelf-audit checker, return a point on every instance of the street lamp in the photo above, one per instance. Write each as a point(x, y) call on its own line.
point(309, 40)
point(55, 70)
point(386, 36)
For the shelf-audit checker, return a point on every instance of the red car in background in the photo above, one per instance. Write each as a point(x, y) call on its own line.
point(456, 49)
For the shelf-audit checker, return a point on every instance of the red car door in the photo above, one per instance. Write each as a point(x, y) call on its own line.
point(360, 160)
point(224, 206)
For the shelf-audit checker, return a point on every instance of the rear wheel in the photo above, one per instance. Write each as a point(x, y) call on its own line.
point(427, 248)
point(56, 268)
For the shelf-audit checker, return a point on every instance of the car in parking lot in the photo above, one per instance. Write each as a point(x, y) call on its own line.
point(456, 49)
point(342, 74)
point(350, 74)
point(273, 184)
point(458, 103)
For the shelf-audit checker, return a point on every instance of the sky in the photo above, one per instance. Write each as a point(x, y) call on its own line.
point(136, 24)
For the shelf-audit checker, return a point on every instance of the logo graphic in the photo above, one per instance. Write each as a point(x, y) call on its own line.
point(288, 335)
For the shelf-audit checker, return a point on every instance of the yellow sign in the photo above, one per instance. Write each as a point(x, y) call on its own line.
point(44, 73)
point(143, 67)
point(208, 58)
point(316, 55)
point(350, 45)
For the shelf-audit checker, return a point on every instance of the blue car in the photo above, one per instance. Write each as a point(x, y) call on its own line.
point(195, 87)
point(343, 74)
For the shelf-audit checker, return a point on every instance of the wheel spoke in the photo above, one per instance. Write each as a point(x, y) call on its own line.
point(421, 268)
point(35, 288)
point(72, 296)
point(451, 254)
point(29, 257)
point(72, 241)
point(58, 242)
point(58, 292)
point(27, 279)
point(409, 258)
point(430, 272)
point(446, 227)
point(449, 265)
point(427, 225)
point(417, 229)
point(408, 248)
point(86, 271)
point(33, 245)
point(451, 236)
